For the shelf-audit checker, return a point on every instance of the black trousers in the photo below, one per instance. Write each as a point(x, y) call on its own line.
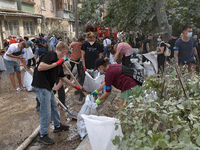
point(126, 61)
point(33, 59)
point(61, 93)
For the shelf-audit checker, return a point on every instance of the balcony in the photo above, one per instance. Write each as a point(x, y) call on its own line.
point(65, 14)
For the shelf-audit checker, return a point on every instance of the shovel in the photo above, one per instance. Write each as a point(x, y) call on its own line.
point(72, 114)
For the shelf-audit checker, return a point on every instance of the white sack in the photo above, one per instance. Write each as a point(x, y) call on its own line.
point(88, 108)
point(28, 53)
point(148, 69)
point(91, 83)
point(75, 70)
point(101, 131)
point(136, 50)
point(2, 65)
point(111, 58)
point(153, 58)
point(27, 81)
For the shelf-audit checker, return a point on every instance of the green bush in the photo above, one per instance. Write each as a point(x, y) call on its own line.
point(166, 120)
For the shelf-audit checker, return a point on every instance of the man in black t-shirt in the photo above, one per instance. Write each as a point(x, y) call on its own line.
point(90, 51)
point(145, 46)
point(47, 70)
point(172, 44)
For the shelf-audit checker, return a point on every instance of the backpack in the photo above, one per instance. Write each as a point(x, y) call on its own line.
point(167, 51)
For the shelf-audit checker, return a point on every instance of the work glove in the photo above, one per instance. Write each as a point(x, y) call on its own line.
point(84, 69)
point(60, 61)
point(78, 88)
point(95, 93)
point(98, 101)
point(54, 92)
point(66, 59)
point(23, 52)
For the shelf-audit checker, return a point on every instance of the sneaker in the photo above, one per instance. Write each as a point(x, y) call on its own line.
point(18, 89)
point(60, 128)
point(46, 140)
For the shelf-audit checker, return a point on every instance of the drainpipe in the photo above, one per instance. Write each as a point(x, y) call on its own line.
point(1, 28)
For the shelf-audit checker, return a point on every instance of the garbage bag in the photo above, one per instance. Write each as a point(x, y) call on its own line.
point(27, 81)
point(2, 65)
point(88, 108)
point(28, 53)
point(101, 131)
point(93, 80)
point(153, 58)
point(148, 69)
point(136, 50)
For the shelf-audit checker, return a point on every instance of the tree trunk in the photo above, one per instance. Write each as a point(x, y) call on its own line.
point(165, 28)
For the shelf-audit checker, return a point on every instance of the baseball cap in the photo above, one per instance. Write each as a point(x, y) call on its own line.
point(41, 34)
point(99, 62)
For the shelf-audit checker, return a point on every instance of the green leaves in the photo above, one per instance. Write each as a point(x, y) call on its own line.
point(198, 141)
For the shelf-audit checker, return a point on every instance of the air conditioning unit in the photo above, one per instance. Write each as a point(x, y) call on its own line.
point(39, 20)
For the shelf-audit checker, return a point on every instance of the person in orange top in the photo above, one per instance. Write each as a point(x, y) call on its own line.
point(12, 40)
point(76, 52)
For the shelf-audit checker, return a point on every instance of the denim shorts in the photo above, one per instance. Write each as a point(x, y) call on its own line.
point(11, 66)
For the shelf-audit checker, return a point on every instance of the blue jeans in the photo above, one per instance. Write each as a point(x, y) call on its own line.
point(106, 52)
point(48, 109)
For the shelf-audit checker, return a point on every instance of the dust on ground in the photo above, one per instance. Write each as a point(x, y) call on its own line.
point(18, 118)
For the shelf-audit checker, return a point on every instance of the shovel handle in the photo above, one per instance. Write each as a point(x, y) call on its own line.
point(69, 71)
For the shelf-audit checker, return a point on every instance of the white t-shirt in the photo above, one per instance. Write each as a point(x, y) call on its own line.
point(13, 48)
point(106, 42)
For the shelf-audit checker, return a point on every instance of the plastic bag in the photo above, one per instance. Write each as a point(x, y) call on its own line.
point(148, 69)
point(111, 58)
point(101, 131)
point(88, 108)
point(93, 80)
point(2, 65)
point(153, 58)
point(27, 81)
point(136, 50)
point(28, 53)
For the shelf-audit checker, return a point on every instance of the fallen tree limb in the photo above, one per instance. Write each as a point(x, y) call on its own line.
point(29, 139)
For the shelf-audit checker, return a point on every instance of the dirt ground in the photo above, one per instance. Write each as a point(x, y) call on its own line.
point(18, 118)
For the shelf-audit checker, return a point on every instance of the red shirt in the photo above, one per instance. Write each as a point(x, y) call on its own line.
point(76, 52)
point(13, 41)
point(120, 81)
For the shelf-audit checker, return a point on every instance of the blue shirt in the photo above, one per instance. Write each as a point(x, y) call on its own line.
point(185, 50)
point(53, 41)
point(42, 49)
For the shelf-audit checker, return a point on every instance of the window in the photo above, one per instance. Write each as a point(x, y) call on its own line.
point(29, 28)
point(51, 5)
point(68, 4)
point(71, 8)
point(12, 27)
point(65, 6)
point(73, 27)
point(43, 4)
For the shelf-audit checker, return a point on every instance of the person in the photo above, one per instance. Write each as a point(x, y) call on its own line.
point(185, 51)
point(172, 44)
point(106, 43)
point(11, 56)
point(76, 53)
point(66, 39)
point(126, 50)
point(59, 38)
point(160, 52)
point(90, 51)
point(75, 39)
point(146, 47)
point(6, 44)
point(48, 69)
point(114, 76)
point(137, 41)
point(30, 43)
point(42, 45)
point(52, 43)
point(12, 40)
point(198, 48)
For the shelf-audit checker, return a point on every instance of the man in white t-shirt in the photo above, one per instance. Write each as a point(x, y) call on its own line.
point(11, 56)
point(107, 44)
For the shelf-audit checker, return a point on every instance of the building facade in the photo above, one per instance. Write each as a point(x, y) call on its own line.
point(30, 17)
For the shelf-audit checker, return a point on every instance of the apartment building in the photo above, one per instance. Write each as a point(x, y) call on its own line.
point(30, 17)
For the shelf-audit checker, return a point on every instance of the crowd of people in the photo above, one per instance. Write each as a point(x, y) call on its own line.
point(89, 53)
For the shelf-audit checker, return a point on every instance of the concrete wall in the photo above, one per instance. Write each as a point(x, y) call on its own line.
point(8, 4)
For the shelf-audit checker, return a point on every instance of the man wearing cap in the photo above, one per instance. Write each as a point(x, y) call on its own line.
point(42, 45)
point(11, 56)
